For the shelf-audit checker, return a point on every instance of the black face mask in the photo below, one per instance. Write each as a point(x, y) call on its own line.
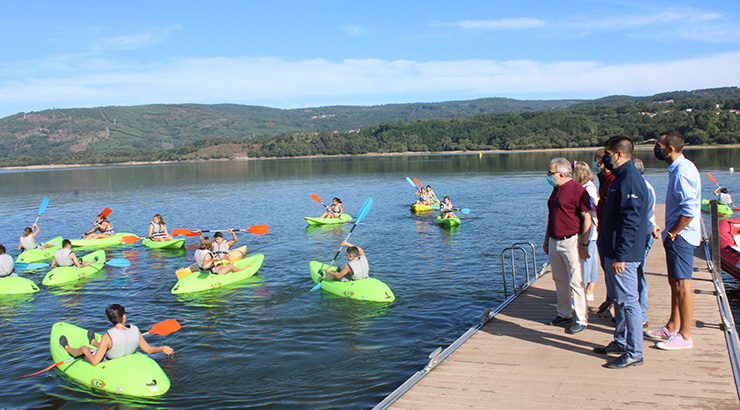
point(607, 161)
point(659, 153)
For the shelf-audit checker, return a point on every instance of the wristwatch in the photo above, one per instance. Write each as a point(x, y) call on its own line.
point(671, 235)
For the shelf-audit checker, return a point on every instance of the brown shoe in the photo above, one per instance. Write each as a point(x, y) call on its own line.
point(603, 307)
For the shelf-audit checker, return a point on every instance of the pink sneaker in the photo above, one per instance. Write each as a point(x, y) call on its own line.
point(661, 333)
point(675, 342)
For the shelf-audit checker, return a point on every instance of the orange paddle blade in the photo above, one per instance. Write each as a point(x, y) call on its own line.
point(105, 212)
point(418, 183)
point(182, 231)
point(259, 229)
point(711, 178)
point(129, 239)
point(166, 327)
point(316, 198)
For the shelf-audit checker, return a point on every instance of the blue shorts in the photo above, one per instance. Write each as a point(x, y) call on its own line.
point(679, 257)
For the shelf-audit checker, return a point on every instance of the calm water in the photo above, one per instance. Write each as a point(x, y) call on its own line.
point(270, 343)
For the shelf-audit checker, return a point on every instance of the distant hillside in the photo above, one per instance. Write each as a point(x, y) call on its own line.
point(51, 134)
point(180, 132)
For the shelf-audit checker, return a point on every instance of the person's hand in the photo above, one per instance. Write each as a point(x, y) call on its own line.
point(656, 232)
point(618, 267)
point(345, 243)
point(35, 226)
point(231, 230)
point(199, 231)
point(545, 246)
point(167, 350)
point(583, 252)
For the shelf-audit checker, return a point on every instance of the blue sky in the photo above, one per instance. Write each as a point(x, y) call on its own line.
point(290, 54)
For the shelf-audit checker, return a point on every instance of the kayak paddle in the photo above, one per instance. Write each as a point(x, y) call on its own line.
point(29, 266)
point(711, 178)
point(413, 184)
point(360, 216)
point(115, 262)
point(161, 328)
point(317, 199)
point(104, 214)
point(418, 183)
point(254, 229)
point(42, 208)
point(129, 239)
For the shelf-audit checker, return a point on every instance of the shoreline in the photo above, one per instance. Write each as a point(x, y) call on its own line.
point(642, 147)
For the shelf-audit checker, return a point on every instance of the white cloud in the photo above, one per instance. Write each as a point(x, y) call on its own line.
point(132, 41)
point(292, 83)
point(353, 30)
point(503, 24)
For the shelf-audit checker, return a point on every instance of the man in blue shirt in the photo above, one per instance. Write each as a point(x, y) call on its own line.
point(622, 243)
point(682, 236)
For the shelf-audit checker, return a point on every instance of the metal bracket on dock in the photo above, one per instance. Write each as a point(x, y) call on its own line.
point(486, 317)
point(433, 359)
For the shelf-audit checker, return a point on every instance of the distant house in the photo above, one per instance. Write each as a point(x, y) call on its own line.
point(734, 111)
point(664, 102)
point(650, 114)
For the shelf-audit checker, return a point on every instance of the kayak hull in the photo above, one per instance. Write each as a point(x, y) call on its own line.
point(67, 274)
point(369, 289)
point(133, 375)
point(419, 208)
point(447, 222)
point(41, 254)
point(16, 285)
point(723, 211)
point(173, 244)
point(202, 281)
point(234, 255)
point(96, 243)
point(342, 219)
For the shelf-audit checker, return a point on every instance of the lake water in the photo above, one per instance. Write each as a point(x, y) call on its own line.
point(271, 343)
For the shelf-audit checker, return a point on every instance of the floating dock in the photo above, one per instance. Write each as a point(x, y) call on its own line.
point(517, 361)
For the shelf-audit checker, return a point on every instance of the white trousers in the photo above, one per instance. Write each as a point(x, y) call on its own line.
point(566, 272)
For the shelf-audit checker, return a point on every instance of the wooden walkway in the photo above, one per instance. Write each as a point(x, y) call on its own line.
point(516, 361)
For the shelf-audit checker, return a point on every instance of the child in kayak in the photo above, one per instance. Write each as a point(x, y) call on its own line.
point(205, 259)
point(356, 267)
point(7, 267)
point(65, 256)
point(335, 210)
point(423, 197)
point(446, 209)
point(104, 227)
point(158, 229)
point(723, 197)
point(221, 246)
point(28, 240)
point(432, 196)
point(119, 341)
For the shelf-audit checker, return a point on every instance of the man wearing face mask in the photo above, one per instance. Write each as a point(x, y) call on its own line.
point(605, 179)
point(682, 236)
point(622, 241)
point(566, 240)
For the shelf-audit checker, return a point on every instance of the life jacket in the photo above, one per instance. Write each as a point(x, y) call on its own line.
point(61, 257)
point(124, 341)
point(29, 242)
point(157, 229)
point(360, 268)
point(221, 250)
point(200, 258)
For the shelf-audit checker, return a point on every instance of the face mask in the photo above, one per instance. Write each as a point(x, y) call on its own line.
point(551, 181)
point(659, 153)
point(607, 161)
point(596, 167)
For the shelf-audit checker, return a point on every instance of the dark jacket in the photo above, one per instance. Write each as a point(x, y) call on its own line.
point(624, 223)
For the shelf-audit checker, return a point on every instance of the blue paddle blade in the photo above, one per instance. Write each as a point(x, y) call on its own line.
point(20, 265)
point(317, 287)
point(435, 207)
point(119, 262)
point(465, 211)
point(37, 265)
point(413, 184)
point(364, 210)
point(44, 204)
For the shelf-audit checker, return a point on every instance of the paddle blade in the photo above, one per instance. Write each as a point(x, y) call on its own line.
point(37, 265)
point(44, 204)
point(711, 178)
point(119, 262)
point(316, 287)
point(166, 327)
point(316, 198)
point(105, 212)
point(129, 239)
point(20, 265)
point(413, 184)
point(364, 210)
point(465, 211)
point(183, 231)
point(259, 229)
point(418, 183)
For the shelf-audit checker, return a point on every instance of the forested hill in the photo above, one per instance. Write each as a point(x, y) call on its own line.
point(177, 132)
point(106, 133)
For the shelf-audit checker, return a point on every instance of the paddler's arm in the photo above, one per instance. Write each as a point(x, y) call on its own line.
point(347, 244)
point(37, 230)
point(153, 349)
point(338, 275)
point(77, 262)
point(231, 243)
point(149, 234)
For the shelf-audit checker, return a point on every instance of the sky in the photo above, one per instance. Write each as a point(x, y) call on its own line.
point(295, 54)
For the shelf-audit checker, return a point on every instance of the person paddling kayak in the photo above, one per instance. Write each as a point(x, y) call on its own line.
point(158, 229)
point(7, 267)
point(28, 240)
point(65, 256)
point(432, 196)
point(334, 211)
point(356, 267)
point(119, 341)
point(103, 226)
point(221, 246)
point(446, 208)
point(205, 259)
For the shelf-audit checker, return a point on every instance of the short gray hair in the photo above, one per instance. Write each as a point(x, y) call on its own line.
point(562, 166)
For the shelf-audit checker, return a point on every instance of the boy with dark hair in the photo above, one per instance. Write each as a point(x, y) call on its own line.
point(356, 267)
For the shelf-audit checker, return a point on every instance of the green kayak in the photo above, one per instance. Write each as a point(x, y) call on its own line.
point(343, 218)
point(66, 274)
point(41, 254)
point(173, 244)
point(133, 375)
point(365, 289)
point(723, 211)
point(448, 222)
point(200, 281)
point(15, 285)
point(117, 239)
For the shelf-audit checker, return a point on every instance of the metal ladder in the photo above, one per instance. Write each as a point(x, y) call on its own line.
point(518, 287)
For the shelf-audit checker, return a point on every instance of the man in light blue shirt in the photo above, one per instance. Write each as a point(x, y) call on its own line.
point(682, 236)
